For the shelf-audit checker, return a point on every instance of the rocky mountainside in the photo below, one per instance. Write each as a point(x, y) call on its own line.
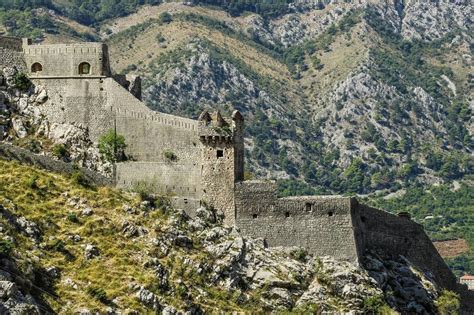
point(344, 96)
point(58, 237)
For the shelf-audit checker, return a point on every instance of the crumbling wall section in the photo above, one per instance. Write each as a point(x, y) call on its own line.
point(11, 53)
point(322, 225)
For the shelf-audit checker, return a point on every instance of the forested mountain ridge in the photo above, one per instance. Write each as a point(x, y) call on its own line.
point(339, 97)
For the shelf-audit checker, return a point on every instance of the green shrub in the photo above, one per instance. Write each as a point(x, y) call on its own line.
point(448, 303)
point(144, 190)
point(299, 254)
point(163, 202)
point(33, 145)
point(160, 38)
point(112, 146)
point(59, 151)
point(375, 305)
point(165, 18)
point(58, 246)
point(21, 81)
point(6, 248)
point(311, 308)
point(97, 293)
point(32, 181)
point(79, 178)
point(170, 155)
point(72, 217)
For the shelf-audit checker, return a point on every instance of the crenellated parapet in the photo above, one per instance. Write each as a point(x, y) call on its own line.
point(215, 129)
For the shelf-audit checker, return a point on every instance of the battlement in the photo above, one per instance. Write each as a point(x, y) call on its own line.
point(215, 128)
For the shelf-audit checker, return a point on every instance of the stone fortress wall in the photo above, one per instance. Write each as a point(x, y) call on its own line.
point(65, 60)
point(209, 165)
point(335, 226)
point(11, 53)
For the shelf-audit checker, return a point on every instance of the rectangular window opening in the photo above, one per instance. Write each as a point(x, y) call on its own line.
point(220, 153)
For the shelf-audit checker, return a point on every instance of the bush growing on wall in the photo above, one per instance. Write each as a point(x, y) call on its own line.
point(170, 155)
point(112, 146)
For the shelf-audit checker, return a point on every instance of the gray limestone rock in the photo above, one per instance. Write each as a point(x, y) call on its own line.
point(131, 230)
point(91, 251)
point(29, 228)
point(87, 212)
point(7, 289)
point(148, 298)
point(19, 128)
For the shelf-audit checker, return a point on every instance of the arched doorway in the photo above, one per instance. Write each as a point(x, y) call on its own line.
point(84, 68)
point(36, 67)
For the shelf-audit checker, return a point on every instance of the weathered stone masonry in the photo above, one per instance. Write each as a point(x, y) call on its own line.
point(202, 160)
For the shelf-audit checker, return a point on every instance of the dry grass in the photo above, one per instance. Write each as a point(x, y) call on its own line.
point(46, 204)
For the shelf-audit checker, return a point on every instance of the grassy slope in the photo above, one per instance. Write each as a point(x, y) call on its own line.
point(47, 206)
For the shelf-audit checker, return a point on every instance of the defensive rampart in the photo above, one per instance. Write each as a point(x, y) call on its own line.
point(389, 234)
point(296, 221)
point(334, 226)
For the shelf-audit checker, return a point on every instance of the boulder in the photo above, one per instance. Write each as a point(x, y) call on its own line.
point(91, 251)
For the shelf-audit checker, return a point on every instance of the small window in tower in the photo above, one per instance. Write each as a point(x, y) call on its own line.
point(84, 68)
point(330, 213)
point(287, 214)
point(220, 153)
point(308, 206)
point(36, 67)
point(254, 216)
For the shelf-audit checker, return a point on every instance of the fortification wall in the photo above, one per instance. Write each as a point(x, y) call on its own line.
point(165, 178)
point(10, 152)
point(80, 101)
point(64, 59)
point(11, 54)
point(150, 133)
point(322, 225)
point(389, 234)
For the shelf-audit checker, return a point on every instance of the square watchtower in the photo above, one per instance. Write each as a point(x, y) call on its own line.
point(67, 60)
point(222, 160)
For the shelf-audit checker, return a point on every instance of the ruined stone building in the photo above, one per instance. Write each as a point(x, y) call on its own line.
point(197, 161)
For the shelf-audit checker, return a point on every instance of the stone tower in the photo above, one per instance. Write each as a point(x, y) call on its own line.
point(222, 160)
